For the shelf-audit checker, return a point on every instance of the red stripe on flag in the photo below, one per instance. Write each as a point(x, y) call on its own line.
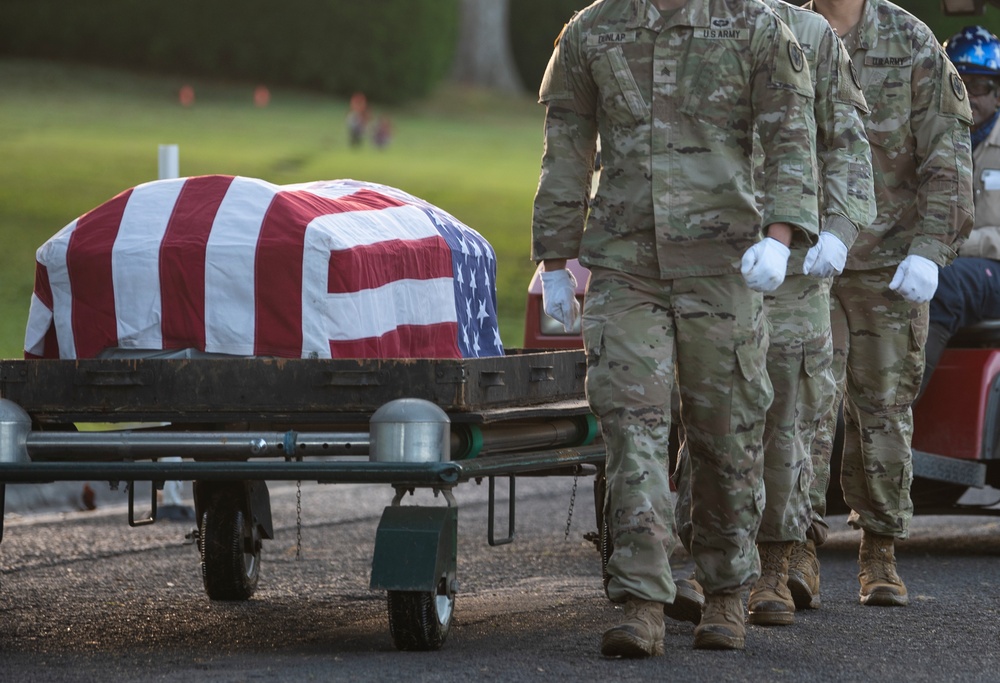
point(43, 290)
point(182, 261)
point(406, 341)
point(278, 265)
point(374, 265)
point(88, 264)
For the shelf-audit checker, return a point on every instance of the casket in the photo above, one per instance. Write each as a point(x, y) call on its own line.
point(239, 266)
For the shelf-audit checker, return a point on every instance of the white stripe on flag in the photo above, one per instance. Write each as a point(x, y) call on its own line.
point(135, 263)
point(373, 312)
point(362, 228)
point(39, 320)
point(52, 255)
point(230, 258)
point(369, 313)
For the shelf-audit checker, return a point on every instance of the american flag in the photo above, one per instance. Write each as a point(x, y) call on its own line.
point(239, 266)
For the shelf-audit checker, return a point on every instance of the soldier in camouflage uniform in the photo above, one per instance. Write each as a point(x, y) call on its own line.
point(673, 241)
point(801, 347)
point(919, 135)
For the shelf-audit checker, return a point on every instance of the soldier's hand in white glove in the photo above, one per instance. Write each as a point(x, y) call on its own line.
point(916, 279)
point(764, 265)
point(827, 258)
point(559, 297)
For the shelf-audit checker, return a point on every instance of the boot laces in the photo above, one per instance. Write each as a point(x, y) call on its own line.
point(880, 564)
point(773, 566)
point(726, 608)
point(801, 558)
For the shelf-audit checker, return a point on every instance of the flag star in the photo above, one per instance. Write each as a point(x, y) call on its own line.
point(465, 335)
point(497, 344)
point(472, 281)
point(482, 312)
point(468, 309)
point(475, 247)
point(465, 246)
point(459, 276)
point(475, 344)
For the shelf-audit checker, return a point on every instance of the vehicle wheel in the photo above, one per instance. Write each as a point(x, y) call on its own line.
point(420, 620)
point(230, 548)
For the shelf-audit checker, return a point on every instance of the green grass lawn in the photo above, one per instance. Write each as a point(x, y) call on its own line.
point(72, 137)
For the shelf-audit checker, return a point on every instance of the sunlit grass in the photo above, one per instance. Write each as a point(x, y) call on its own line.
point(73, 137)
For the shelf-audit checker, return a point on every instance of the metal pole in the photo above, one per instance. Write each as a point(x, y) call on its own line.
point(169, 166)
point(149, 445)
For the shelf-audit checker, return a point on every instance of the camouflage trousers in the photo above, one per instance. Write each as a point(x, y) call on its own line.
point(799, 366)
point(635, 330)
point(878, 362)
point(799, 363)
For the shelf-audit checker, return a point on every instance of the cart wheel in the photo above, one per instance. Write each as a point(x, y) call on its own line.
point(420, 620)
point(230, 549)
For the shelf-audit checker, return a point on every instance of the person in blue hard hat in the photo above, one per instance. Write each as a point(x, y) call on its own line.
point(969, 288)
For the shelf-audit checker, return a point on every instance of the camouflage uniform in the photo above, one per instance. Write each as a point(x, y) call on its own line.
point(675, 101)
point(919, 135)
point(801, 347)
point(801, 350)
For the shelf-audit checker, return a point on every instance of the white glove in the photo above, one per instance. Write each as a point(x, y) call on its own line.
point(559, 297)
point(916, 279)
point(827, 258)
point(764, 265)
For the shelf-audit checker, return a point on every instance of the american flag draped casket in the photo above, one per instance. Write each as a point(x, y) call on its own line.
point(239, 266)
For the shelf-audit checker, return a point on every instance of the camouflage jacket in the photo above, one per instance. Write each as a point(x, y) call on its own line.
point(984, 240)
point(847, 195)
point(675, 102)
point(919, 135)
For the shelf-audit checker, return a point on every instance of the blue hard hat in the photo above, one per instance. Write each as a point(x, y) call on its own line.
point(974, 50)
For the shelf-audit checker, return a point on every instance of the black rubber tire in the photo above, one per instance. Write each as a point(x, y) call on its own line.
point(230, 548)
point(420, 620)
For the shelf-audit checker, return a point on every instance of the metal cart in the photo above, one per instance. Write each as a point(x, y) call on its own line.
point(238, 423)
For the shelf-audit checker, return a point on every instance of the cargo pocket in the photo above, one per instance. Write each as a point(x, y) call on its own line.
point(887, 127)
point(820, 389)
point(817, 355)
point(598, 381)
point(707, 100)
point(913, 369)
point(751, 394)
point(621, 97)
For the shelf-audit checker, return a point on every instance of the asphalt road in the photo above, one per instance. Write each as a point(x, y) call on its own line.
point(85, 597)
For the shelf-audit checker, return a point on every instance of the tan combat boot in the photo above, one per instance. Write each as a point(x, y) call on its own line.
point(770, 602)
point(803, 575)
point(688, 601)
point(639, 635)
point(880, 585)
point(722, 624)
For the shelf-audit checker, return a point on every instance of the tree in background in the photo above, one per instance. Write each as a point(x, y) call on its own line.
point(534, 26)
point(483, 56)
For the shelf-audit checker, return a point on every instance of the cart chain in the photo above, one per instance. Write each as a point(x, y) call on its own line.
point(298, 520)
point(572, 501)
